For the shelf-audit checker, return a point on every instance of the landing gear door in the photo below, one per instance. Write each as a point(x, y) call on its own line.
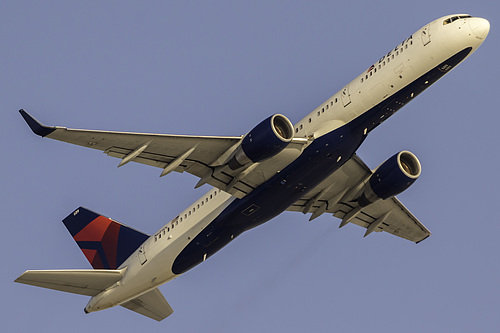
point(426, 36)
point(142, 255)
point(345, 96)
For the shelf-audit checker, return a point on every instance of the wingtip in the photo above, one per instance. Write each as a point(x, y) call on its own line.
point(35, 125)
point(420, 241)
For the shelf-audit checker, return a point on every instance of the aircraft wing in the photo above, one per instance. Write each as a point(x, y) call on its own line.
point(201, 156)
point(337, 194)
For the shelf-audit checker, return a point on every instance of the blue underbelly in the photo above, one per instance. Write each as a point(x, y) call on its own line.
point(319, 160)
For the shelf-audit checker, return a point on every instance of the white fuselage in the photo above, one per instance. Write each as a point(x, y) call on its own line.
point(151, 265)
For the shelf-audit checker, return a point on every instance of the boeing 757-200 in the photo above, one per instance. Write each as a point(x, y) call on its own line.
point(310, 167)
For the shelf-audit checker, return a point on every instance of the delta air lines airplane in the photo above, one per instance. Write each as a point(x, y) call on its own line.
point(310, 167)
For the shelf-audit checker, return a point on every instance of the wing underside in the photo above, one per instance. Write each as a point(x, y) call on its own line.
point(152, 304)
point(336, 195)
point(201, 156)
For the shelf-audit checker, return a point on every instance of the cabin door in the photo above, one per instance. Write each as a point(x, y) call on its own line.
point(346, 97)
point(142, 255)
point(426, 36)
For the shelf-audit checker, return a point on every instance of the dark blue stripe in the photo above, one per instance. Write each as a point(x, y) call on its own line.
point(129, 240)
point(100, 251)
point(75, 223)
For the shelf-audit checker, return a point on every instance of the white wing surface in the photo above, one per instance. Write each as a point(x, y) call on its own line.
point(88, 282)
point(152, 304)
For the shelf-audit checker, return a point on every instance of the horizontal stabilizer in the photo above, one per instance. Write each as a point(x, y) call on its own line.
point(152, 304)
point(88, 282)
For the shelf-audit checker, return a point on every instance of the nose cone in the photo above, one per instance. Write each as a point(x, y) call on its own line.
point(480, 27)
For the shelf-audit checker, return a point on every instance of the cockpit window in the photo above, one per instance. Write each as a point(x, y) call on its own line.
point(454, 18)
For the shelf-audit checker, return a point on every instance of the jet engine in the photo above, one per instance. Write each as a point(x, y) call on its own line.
point(391, 178)
point(265, 140)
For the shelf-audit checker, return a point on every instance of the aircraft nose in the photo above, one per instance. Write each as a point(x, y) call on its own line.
point(480, 27)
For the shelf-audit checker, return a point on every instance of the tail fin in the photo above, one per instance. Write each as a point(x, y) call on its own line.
point(105, 242)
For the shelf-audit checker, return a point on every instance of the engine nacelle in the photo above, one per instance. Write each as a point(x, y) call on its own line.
point(265, 140)
point(391, 178)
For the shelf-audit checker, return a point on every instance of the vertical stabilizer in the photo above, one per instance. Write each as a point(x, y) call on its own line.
point(105, 242)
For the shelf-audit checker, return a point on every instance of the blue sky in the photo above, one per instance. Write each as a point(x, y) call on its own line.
point(219, 68)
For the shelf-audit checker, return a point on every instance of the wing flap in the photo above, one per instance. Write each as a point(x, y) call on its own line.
point(152, 304)
point(88, 282)
point(400, 221)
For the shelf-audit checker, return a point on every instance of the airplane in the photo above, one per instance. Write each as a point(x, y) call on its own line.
point(310, 167)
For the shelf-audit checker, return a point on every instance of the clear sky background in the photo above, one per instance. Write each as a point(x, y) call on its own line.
point(219, 68)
